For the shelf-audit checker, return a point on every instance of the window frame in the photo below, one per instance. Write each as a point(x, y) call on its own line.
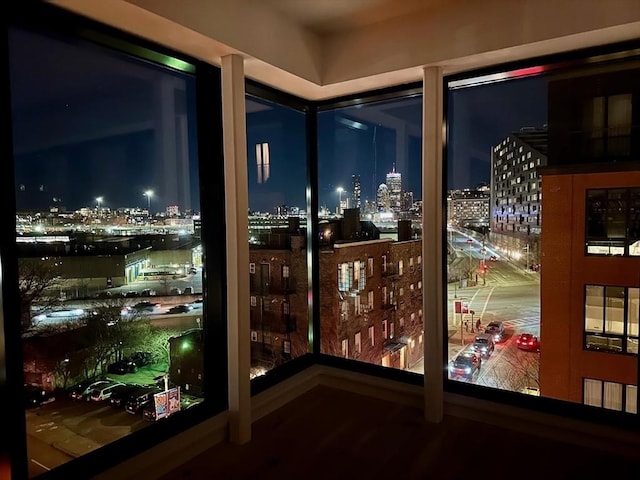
point(52, 21)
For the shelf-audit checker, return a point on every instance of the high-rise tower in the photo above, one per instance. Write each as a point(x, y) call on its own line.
point(394, 184)
point(355, 191)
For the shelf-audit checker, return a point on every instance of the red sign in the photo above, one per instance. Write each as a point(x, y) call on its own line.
point(461, 306)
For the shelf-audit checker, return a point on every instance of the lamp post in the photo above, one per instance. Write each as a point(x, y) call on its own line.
point(340, 190)
point(148, 194)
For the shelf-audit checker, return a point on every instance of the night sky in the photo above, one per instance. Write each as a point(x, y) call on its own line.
point(90, 122)
point(481, 117)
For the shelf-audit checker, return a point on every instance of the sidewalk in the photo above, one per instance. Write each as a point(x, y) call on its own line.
point(455, 344)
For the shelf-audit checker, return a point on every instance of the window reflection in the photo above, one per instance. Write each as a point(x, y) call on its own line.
point(277, 234)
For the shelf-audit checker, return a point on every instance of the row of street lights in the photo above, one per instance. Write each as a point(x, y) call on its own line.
point(147, 193)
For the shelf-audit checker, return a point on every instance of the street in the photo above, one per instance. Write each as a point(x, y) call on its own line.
point(505, 293)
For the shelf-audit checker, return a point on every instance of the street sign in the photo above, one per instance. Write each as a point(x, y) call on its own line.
point(461, 306)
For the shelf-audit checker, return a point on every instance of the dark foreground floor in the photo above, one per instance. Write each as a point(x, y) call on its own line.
point(333, 434)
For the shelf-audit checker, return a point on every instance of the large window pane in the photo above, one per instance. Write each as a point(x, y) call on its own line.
point(369, 185)
point(594, 309)
point(108, 231)
point(497, 142)
point(553, 152)
point(277, 169)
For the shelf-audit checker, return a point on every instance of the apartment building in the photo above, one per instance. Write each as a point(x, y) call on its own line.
point(591, 198)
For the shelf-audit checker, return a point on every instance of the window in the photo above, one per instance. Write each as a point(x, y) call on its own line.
point(385, 333)
point(372, 335)
point(277, 217)
point(370, 266)
point(575, 199)
point(370, 300)
point(607, 326)
point(357, 343)
point(613, 221)
point(107, 169)
point(610, 395)
point(400, 267)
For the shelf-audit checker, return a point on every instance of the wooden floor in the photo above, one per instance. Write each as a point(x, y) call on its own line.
point(333, 434)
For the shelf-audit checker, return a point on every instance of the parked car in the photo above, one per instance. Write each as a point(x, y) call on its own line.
point(193, 270)
point(465, 364)
point(140, 398)
point(187, 291)
point(84, 394)
point(131, 363)
point(141, 358)
point(483, 344)
point(175, 291)
point(75, 391)
point(120, 394)
point(493, 258)
point(495, 328)
point(147, 292)
point(34, 396)
point(103, 393)
point(531, 391)
point(179, 309)
point(528, 341)
point(149, 411)
point(122, 367)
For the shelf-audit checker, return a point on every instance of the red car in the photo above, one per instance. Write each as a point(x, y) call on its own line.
point(527, 341)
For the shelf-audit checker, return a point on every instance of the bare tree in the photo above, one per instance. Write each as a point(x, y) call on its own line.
point(36, 281)
point(516, 370)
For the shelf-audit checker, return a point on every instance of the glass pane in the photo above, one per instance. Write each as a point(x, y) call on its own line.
point(596, 214)
point(616, 214)
point(594, 309)
point(592, 392)
point(634, 222)
point(277, 169)
point(612, 396)
point(497, 140)
point(108, 233)
point(632, 399)
point(369, 183)
point(526, 143)
point(614, 310)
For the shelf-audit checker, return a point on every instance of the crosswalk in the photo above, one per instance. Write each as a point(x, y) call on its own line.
point(523, 323)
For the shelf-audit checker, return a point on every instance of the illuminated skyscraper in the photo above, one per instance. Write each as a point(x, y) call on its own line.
point(394, 184)
point(355, 191)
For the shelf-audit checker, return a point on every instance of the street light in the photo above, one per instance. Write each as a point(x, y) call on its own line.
point(340, 190)
point(148, 194)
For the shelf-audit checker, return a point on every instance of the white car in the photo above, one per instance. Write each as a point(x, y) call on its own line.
point(103, 392)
